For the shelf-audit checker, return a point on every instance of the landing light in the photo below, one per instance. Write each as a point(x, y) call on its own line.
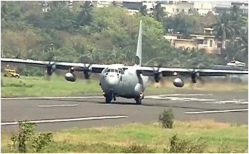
point(175, 73)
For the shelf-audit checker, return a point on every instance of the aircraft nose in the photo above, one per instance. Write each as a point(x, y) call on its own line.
point(112, 80)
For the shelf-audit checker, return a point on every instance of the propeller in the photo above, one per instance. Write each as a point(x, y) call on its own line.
point(156, 73)
point(195, 76)
point(51, 66)
point(87, 71)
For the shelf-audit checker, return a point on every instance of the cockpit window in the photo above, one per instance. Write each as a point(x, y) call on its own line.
point(113, 70)
point(120, 71)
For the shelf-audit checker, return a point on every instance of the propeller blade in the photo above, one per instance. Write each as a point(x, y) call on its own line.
point(86, 71)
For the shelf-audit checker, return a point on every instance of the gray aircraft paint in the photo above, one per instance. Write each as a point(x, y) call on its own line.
point(128, 84)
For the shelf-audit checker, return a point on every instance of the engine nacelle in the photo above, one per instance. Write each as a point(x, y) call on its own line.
point(50, 69)
point(70, 77)
point(157, 77)
point(178, 82)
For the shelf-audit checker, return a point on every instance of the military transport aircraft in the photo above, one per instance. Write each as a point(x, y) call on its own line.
point(118, 80)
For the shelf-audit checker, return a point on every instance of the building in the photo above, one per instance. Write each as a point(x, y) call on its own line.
point(220, 9)
point(45, 6)
point(203, 8)
point(177, 7)
point(226, 7)
point(174, 7)
point(99, 3)
point(205, 41)
point(134, 6)
point(242, 5)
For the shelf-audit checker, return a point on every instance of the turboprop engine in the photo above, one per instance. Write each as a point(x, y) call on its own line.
point(178, 82)
point(70, 77)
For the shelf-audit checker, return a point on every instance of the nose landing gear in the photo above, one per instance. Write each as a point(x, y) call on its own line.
point(109, 96)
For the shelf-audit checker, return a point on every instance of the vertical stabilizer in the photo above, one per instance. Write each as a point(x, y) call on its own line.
point(138, 58)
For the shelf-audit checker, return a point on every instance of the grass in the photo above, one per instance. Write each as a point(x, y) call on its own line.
point(39, 86)
point(218, 137)
point(58, 86)
point(212, 86)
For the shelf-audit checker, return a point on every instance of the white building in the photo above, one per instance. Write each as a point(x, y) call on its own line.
point(203, 7)
point(99, 3)
point(175, 8)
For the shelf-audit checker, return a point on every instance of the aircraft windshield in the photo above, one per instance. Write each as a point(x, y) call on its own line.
point(113, 70)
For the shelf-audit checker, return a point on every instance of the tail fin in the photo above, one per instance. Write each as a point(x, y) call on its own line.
point(138, 58)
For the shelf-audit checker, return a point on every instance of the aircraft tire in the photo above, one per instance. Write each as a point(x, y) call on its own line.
point(108, 98)
point(138, 100)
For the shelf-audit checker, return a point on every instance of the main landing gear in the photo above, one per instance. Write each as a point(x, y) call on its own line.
point(139, 98)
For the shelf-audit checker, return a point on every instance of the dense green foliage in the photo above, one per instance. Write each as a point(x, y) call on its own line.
point(107, 35)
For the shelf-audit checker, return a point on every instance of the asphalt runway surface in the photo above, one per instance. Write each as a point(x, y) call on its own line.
point(54, 114)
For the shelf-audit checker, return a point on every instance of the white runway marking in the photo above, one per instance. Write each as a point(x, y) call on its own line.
point(186, 99)
point(184, 95)
point(66, 120)
point(173, 97)
point(234, 101)
point(217, 111)
point(87, 97)
point(27, 98)
point(59, 105)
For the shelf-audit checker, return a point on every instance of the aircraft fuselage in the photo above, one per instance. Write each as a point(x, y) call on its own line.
point(123, 83)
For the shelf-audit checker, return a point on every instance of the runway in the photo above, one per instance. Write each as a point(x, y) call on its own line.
point(53, 114)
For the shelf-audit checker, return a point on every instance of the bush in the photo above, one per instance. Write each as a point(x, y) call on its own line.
point(136, 148)
point(167, 118)
point(26, 139)
point(181, 146)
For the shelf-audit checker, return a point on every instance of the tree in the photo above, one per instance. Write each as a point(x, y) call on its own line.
point(110, 33)
point(224, 30)
point(114, 3)
point(158, 12)
point(58, 4)
point(235, 18)
point(235, 12)
point(58, 18)
point(243, 49)
point(244, 20)
point(10, 11)
point(85, 15)
point(143, 10)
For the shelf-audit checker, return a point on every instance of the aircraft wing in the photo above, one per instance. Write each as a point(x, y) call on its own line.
point(95, 68)
point(150, 71)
